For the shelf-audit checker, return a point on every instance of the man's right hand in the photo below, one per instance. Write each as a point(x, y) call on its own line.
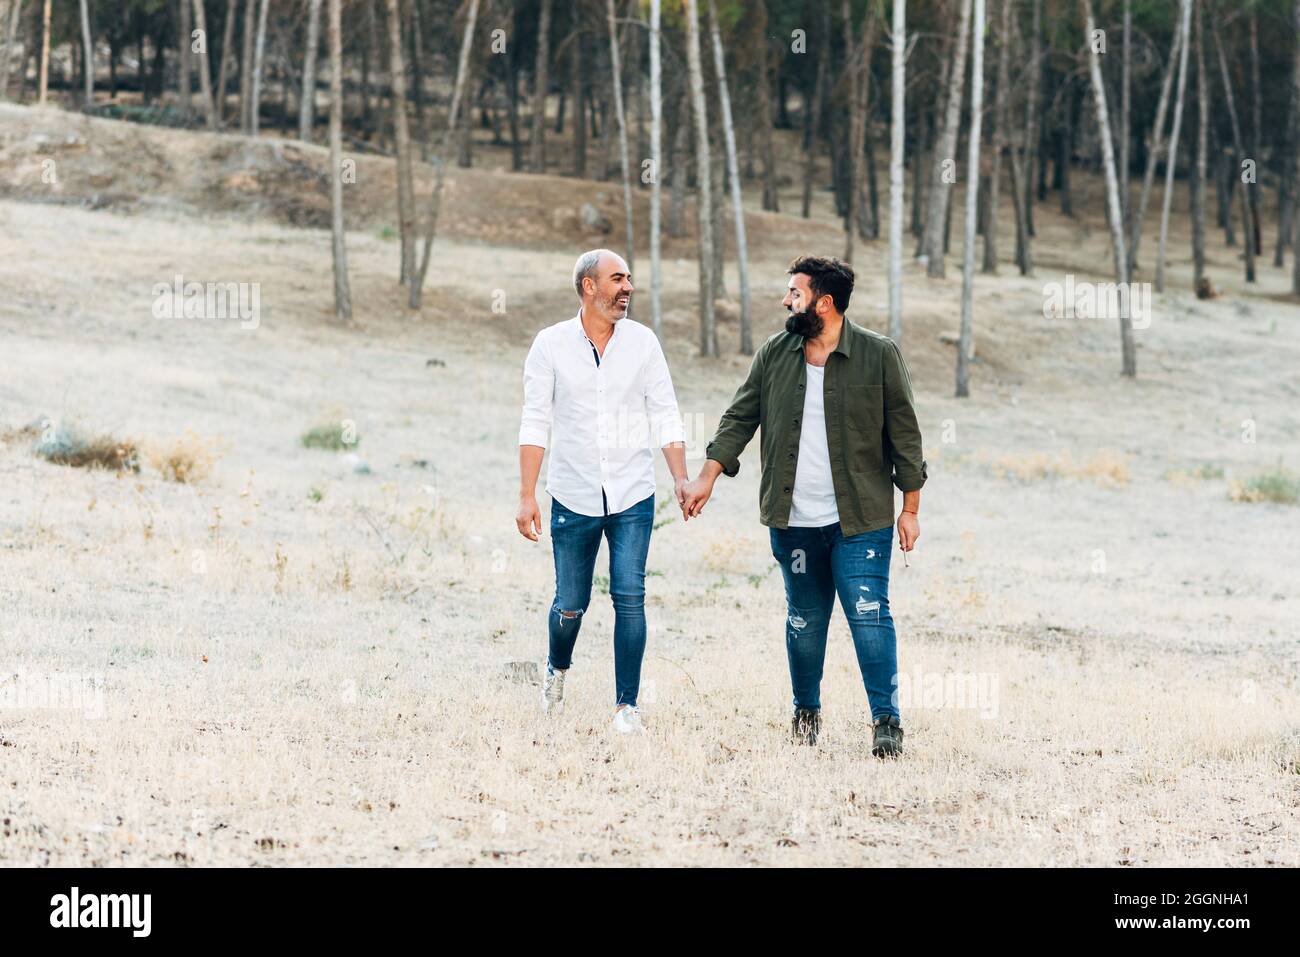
point(696, 494)
point(529, 518)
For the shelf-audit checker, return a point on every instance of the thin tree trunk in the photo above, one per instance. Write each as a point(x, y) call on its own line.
point(703, 205)
point(853, 151)
point(537, 143)
point(307, 103)
point(140, 62)
point(205, 67)
point(656, 165)
point(7, 52)
point(1021, 197)
point(1153, 151)
point(1199, 174)
point(812, 125)
point(43, 83)
point(401, 140)
point(940, 191)
point(440, 157)
point(617, 78)
point(254, 116)
point(1295, 114)
point(185, 77)
point(999, 141)
point(771, 199)
point(1065, 151)
point(342, 291)
point(733, 171)
point(1225, 181)
point(1127, 346)
point(676, 226)
point(227, 54)
point(1257, 138)
point(88, 57)
point(1286, 187)
point(920, 164)
point(579, 95)
point(718, 214)
point(246, 67)
point(1248, 244)
point(1125, 112)
point(1185, 26)
point(1032, 149)
point(417, 79)
point(869, 207)
point(512, 104)
point(897, 129)
point(966, 338)
point(368, 49)
point(860, 79)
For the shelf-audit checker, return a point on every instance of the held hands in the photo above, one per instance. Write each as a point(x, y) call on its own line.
point(909, 530)
point(529, 518)
point(693, 496)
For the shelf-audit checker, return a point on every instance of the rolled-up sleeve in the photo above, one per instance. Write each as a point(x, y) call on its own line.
point(539, 394)
point(661, 399)
point(740, 421)
point(900, 424)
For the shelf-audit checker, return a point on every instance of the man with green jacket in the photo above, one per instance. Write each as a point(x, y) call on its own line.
point(839, 434)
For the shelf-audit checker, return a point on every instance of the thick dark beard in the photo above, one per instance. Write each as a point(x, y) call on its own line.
point(806, 324)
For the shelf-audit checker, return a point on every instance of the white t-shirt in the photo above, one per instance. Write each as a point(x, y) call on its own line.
point(814, 490)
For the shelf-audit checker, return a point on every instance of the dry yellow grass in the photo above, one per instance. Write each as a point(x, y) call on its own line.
point(1105, 467)
point(185, 459)
point(289, 663)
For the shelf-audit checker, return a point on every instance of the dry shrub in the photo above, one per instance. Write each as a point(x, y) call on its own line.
point(63, 445)
point(185, 459)
point(1279, 486)
point(1186, 478)
point(332, 436)
point(1106, 467)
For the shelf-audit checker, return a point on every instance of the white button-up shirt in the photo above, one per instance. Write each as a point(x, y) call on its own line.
point(601, 419)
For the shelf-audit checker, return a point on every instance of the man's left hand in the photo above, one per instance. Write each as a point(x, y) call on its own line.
point(909, 530)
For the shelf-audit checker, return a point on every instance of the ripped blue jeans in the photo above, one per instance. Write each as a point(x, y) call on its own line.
point(575, 540)
point(817, 563)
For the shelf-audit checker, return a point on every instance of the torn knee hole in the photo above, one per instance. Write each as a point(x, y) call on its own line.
point(569, 614)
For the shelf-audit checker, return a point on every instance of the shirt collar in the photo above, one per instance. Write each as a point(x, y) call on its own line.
point(582, 333)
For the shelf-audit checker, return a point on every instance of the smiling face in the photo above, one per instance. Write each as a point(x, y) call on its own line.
point(805, 316)
point(609, 293)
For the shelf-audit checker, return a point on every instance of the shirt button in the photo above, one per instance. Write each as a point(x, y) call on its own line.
point(787, 488)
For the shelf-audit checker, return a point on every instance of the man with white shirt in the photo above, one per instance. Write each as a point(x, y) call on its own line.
point(597, 387)
point(834, 401)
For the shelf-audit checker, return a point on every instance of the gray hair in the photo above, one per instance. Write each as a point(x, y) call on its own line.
point(585, 267)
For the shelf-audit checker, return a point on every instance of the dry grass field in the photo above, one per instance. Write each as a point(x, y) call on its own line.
point(284, 661)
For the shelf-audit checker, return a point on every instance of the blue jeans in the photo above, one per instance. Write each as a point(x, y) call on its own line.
point(575, 540)
point(816, 564)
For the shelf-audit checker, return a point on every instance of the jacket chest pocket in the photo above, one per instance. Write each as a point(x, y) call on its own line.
point(864, 409)
point(864, 419)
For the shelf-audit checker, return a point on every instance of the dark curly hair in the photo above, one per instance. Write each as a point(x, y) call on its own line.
point(826, 277)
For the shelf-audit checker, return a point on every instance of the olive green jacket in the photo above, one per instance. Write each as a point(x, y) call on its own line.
point(871, 428)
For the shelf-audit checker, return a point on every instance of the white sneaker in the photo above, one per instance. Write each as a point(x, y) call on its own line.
point(552, 690)
point(627, 720)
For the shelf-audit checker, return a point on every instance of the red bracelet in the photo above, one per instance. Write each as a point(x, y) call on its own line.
point(910, 511)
